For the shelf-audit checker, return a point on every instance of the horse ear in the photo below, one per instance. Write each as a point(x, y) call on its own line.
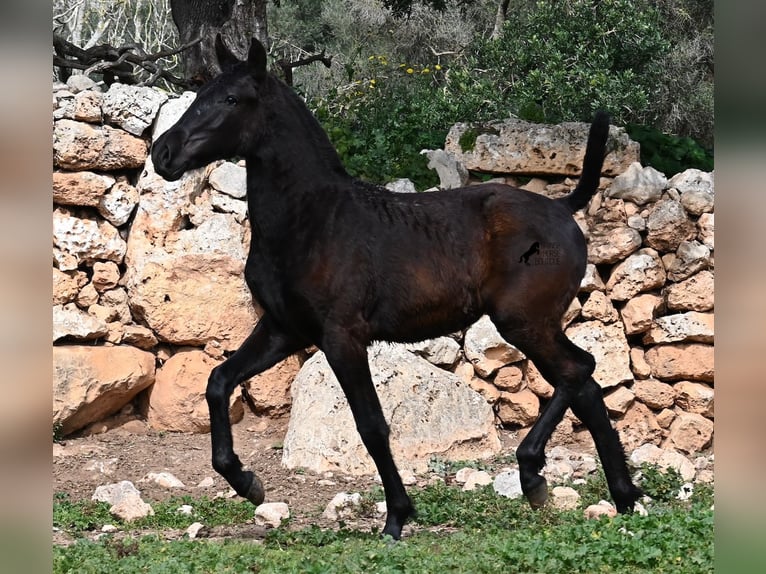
point(226, 59)
point(256, 59)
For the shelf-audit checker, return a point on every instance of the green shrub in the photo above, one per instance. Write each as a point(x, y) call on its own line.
point(556, 61)
point(564, 59)
point(669, 154)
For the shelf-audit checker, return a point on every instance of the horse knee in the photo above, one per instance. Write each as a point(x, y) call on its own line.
point(217, 387)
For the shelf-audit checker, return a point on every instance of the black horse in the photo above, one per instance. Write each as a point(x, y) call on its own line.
point(339, 263)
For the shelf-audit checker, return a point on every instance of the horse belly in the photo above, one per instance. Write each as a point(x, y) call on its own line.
point(421, 307)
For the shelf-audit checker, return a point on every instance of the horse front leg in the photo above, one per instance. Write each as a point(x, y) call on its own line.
point(264, 348)
point(348, 360)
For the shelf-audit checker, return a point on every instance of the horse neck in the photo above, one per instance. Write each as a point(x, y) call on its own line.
point(294, 169)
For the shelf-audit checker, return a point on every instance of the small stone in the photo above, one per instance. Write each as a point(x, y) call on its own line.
point(664, 459)
point(603, 508)
point(342, 505)
point(206, 482)
point(230, 179)
point(654, 394)
point(164, 479)
point(565, 498)
point(509, 379)
point(690, 433)
point(619, 401)
point(638, 184)
point(478, 478)
point(461, 476)
point(638, 364)
point(131, 507)
point(272, 513)
point(591, 281)
point(508, 484)
point(194, 530)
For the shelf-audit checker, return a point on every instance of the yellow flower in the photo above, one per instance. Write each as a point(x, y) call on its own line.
point(437, 67)
point(410, 71)
point(425, 71)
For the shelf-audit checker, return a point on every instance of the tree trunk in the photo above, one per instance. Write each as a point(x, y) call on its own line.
point(502, 10)
point(236, 20)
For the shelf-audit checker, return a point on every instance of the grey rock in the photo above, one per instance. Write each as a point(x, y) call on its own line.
point(452, 173)
point(486, 349)
point(429, 411)
point(229, 178)
point(517, 146)
point(402, 185)
point(638, 184)
point(668, 225)
point(508, 484)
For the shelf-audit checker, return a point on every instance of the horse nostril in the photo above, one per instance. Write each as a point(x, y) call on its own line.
point(161, 154)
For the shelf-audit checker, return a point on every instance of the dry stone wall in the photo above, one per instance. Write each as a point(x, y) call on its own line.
point(148, 289)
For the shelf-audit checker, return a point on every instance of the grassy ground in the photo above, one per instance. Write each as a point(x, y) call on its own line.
point(455, 531)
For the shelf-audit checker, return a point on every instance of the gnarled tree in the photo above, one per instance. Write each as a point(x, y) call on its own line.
point(236, 20)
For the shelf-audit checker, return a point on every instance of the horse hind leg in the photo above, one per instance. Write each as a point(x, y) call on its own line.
point(568, 369)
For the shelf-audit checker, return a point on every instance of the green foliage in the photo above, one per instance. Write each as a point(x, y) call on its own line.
point(90, 515)
point(565, 59)
point(669, 154)
point(379, 124)
point(660, 484)
point(79, 516)
point(467, 140)
point(556, 61)
point(502, 535)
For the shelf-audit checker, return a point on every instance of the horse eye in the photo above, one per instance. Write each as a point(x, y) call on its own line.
point(231, 100)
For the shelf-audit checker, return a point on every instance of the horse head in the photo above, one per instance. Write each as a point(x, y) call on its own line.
point(220, 122)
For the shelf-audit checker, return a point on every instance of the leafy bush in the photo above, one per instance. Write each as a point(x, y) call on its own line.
point(659, 484)
point(669, 154)
point(379, 124)
point(558, 61)
point(565, 59)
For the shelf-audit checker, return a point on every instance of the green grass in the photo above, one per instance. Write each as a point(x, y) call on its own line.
point(457, 531)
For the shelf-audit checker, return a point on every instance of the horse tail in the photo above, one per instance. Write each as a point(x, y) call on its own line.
point(592, 164)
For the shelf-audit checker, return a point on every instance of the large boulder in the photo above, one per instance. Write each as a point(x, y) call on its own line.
point(185, 264)
point(612, 242)
point(84, 239)
point(697, 190)
point(697, 293)
point(193, 299)
point(682, 327)
point(91, 383)
point(176, 401)
point(678, 361)
point(83, 188)
point(640, 272)
point(667, 225)
point(133, 108)
point(517, 146)
point(430, 412)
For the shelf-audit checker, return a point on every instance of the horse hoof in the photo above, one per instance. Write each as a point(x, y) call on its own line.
point(255, 492)
point(538, 495)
